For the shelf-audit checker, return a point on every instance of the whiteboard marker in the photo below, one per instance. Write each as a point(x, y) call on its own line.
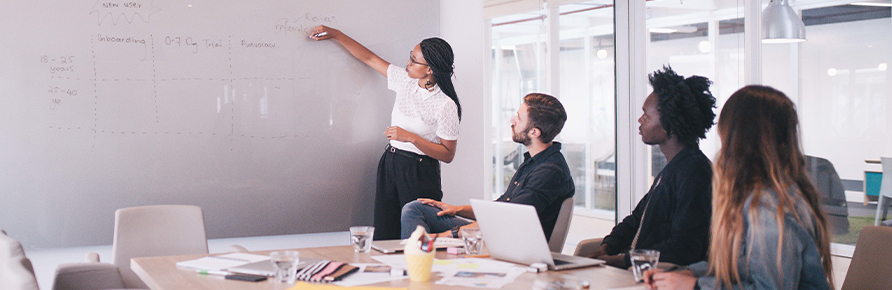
point(320, 34)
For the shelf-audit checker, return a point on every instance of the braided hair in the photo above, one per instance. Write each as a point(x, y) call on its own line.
point(439, 57)
point(685, 105)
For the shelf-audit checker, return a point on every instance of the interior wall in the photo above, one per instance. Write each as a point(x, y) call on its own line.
point(462, 25)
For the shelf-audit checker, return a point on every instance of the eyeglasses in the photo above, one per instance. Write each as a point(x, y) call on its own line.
point(412, 59)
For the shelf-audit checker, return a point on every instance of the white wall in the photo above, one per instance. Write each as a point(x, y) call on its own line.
point(462, 25)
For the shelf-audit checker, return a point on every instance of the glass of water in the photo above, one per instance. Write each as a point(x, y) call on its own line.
point(473, 239)
point(285, 263)
point(643, 260)
point(361, 238)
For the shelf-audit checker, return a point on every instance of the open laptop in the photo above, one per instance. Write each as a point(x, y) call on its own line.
point(512, 232)
point(266, 268)
point(397, 246)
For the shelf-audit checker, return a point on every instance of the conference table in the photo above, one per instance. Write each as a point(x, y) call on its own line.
point(162, 273)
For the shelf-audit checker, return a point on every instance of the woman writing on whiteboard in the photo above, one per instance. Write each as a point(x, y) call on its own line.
point(424, 125)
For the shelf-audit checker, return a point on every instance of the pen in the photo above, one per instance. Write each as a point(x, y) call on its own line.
point(476, 256)
point(213, 272)
point(430, 244)
point(320, 34)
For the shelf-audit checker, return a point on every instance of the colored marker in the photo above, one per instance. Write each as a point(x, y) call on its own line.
point(213, 272)
point(320, 34)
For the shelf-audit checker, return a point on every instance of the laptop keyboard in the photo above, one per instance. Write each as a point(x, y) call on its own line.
point(560, 262)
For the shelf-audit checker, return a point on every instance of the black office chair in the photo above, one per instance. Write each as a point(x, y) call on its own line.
point(833, 195)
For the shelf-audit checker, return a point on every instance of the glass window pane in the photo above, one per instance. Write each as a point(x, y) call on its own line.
point(840, 81)
point(518, 59)
point(696, 39)
point(587, 90)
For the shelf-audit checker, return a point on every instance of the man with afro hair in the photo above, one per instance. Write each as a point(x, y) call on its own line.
point(673, 217)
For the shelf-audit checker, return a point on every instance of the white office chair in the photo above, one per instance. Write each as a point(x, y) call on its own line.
point(16, 271)
point(156, 230)
point(561, 226)
point(144, 231)
point(885, 191)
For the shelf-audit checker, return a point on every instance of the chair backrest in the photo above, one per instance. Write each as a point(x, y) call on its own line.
point(886, 184)
point(16, 271)
point(833, 195)
point(872, 260)
point(561, 226)
point(156, 230)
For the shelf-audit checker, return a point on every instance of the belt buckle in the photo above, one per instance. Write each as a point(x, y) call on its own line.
point(392, 149)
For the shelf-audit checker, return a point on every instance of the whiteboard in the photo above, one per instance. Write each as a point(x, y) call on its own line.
point(222, 104)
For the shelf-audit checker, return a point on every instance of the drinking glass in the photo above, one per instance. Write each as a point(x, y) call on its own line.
point(361, 238)
point(473, 239)
point(643, 260)
point(285, 263)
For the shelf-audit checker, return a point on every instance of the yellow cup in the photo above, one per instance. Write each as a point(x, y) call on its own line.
point(420, 266)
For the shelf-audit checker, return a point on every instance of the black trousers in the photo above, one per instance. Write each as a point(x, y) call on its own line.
point(402, 177)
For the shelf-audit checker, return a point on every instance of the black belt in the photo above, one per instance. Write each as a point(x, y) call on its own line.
point(405, 153)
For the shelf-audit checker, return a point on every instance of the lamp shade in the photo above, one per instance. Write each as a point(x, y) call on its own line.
point(780, 24)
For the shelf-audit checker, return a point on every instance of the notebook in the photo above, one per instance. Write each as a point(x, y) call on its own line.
point(396, 246)
point(266, 268)
point(512, 233)
point(221, 262)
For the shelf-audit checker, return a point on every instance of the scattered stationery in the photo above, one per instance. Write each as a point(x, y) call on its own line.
point(369, 274)
point(266, 268)
point(221, 262)
point(636, 287)
point(443, 242)
point(452, 265)
point(246, 277)
point(309, 286)
point(397, 246)
point(325, 271)
point(481, 279)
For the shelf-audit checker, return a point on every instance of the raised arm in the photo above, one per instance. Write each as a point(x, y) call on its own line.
point(358, 51)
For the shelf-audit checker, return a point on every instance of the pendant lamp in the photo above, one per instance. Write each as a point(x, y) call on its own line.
point(781, 24)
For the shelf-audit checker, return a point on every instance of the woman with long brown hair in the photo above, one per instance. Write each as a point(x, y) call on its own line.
point(767, 230)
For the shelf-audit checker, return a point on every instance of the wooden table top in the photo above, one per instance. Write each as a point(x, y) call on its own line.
point(162, 273)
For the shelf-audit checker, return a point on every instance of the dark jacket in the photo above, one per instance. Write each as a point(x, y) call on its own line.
point(544, 182)
point(677, 220)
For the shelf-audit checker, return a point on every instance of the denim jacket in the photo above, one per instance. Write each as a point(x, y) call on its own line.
point(800, 266)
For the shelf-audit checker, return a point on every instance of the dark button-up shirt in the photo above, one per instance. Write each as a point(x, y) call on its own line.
point(544, 182)
point(677, 219)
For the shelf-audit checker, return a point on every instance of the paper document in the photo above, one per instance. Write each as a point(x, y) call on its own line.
point(221, 262)
point(307, 286)
point(368, 274)
point(451, 265)
point(481, 279)
point(636, 287)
